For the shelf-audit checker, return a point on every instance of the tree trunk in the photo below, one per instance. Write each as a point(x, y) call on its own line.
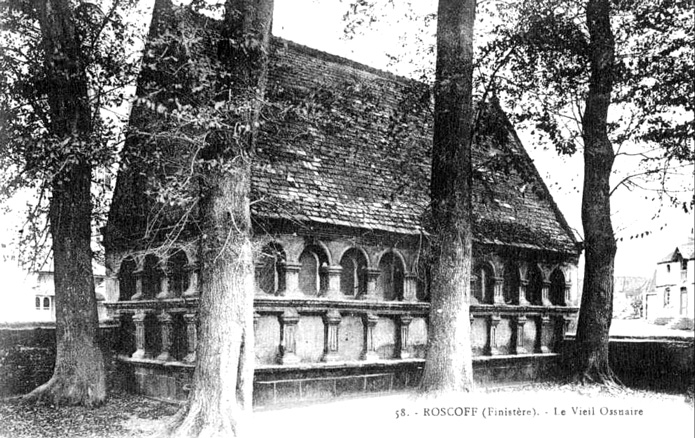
point(597, 296)
point(449, 365)
point(79, 375)
point(220, 402)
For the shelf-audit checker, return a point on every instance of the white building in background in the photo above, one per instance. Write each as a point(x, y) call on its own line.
point(675, 282)
point(29, 296)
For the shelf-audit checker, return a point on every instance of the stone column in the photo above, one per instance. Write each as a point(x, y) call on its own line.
point(292, 279)
point(164, 290)
point(288, 338)
point(498, 293)
point(523, 284)
point(369, 321)
point(333, 291)
point(139, 321)
point(568, 294)
point(331, 321)
point(520, 323)
point(165, 324)
point(191, 336)
point(492, 349)
point(372, 280)
point(404, 340)
point(138, 274)
point(410, 287)
point(543, 334)
point(545, 293)
point(192, 290)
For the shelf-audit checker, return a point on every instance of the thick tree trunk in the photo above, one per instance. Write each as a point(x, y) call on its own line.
point(222, 382)
point(597, 296)
point(79, 375)
point(449, 365)
point(221, 399)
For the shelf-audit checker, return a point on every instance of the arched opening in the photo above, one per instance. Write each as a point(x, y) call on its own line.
point(313, 275)
point(178, 273)
point(557, 288)
point(391, 277)
point(37, 301)
point(126, 279)
point(534, 290)
point(151, 277)
point(270, 269)
point(46, 303)
point(512, 282)
point(353, 277)
point(483, 284)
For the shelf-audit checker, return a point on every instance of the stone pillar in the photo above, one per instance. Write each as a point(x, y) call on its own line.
point(256, 317)
point(568, 294)
point(404, 333)
point(498, 293)
point(165, 324)
point(331, 321)
point(192, 290)
point(288, 337)
point(164, 291)
point(139, 321)
point(545, 293)
point(520, 323)
point(292, 279)
point(410, 287)
point(191, 337)
point(369, 321)
point(492, 349)
point(333, 291)
point(372, 280)
point(523, 284)
point(138, 274)
point(543, 333)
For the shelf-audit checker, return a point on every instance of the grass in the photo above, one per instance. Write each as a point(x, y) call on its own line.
point(126, 415)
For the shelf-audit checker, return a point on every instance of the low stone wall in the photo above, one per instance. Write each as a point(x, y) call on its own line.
point(27, 355)
point(659, 363)
point(282, 384)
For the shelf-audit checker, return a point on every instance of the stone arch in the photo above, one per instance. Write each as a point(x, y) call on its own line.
point(270, 268)
point(151, 276)
point(324, 248)
point(363, 251)
point(557, 287)
point(512, 282)
point(313, 272)
point(392, 275)
point(127, 282)
point(353, 277)
point(177, 269)
point(534, 290)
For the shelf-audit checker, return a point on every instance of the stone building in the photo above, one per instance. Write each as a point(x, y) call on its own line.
point(672, 297)
point(340, 196)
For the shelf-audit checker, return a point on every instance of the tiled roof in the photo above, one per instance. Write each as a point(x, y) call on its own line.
point(686, 250)
point(346, 144)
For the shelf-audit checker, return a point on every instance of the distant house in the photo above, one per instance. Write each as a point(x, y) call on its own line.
point(28, 296)
point(675, 281)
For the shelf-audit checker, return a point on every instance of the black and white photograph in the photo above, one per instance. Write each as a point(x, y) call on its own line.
point(347, 218)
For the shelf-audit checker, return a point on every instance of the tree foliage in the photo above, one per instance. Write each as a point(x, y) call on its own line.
point(545, 47)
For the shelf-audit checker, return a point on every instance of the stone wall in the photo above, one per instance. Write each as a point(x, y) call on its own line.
point(27, 357)
point(649, 363)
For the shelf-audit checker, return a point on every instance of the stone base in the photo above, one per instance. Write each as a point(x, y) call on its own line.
point(279, 384)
